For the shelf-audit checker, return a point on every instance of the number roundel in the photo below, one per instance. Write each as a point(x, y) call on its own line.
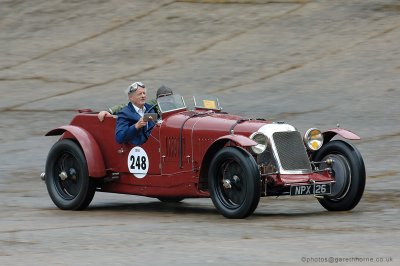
point(138, 162)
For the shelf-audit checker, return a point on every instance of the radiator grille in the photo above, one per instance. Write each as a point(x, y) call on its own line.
point(291, 151)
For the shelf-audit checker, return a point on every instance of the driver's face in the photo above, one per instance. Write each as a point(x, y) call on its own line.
point(138, 97)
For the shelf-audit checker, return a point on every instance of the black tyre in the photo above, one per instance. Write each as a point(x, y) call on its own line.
point(234, 183)
point(67, 179)
point(171, 199)
point(349, 172)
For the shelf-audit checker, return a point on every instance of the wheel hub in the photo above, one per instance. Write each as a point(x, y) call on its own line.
point(226, 183)
point(341, 173)
point(63, 175)
point(71, 174)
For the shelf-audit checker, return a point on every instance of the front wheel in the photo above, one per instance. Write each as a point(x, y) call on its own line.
point(349, 173)
point(234, 183)
point(67, 179)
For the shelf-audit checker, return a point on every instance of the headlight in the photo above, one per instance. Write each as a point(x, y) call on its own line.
point(261, 139)
point(313, 139)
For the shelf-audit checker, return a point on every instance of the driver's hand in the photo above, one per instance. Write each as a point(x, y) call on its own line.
point(141, 123)
point(102, 115)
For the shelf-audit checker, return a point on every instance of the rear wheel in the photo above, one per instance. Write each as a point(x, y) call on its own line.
point(349, 173)
point(67, 179)
point(234, 183)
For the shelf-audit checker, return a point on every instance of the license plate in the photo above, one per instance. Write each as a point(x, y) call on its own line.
point(312, 189)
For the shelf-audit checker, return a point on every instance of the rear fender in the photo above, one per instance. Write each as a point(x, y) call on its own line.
point(330, 133)
point(89, 146)
point(218, 144)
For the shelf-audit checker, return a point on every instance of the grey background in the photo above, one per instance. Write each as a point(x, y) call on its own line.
point(309, 63)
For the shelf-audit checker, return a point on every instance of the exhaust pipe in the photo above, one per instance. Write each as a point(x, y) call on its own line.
point(43, 176)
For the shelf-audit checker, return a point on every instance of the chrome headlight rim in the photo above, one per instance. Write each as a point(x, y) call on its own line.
point(313, 139)
point(262, 141)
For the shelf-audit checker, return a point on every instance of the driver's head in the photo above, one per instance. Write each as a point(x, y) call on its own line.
point(137, 94)
point(163, 91)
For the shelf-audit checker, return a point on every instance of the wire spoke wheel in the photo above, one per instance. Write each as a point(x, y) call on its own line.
point(349, 173)
point(234, 182)
point(231, 189)
point(342, 174)
point(67, 179)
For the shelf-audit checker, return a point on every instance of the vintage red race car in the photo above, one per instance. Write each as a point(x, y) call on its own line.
point(204, 152)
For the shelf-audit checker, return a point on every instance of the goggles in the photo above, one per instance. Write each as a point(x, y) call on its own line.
point(134, 86)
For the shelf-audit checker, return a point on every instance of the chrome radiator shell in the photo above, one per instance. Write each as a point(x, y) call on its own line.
point(286, 146)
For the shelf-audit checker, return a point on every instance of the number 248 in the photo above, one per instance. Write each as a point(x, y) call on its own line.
point(138, 162)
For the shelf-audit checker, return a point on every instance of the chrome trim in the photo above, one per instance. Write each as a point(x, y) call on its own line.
point(268, 130)
point(266, 141)
point(307, 143)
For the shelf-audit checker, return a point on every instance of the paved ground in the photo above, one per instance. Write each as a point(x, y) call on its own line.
point(310, 63)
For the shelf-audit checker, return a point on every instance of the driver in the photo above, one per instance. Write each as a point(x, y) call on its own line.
point(131, 127)
point(162, 91)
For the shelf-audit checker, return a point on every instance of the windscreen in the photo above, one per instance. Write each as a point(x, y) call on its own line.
point(206, 102)
point(171, 103)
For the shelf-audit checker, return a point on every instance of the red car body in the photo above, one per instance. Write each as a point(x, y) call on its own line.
point(177, 156)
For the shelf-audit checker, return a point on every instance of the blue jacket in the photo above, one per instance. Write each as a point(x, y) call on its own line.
point(125, 130)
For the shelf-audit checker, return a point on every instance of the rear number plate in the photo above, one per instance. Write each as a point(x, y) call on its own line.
point(313, 189)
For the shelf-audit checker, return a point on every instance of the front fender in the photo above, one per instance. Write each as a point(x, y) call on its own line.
point(214, 148)
point(239, 139)
point(89, 145)
point(344, 133)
